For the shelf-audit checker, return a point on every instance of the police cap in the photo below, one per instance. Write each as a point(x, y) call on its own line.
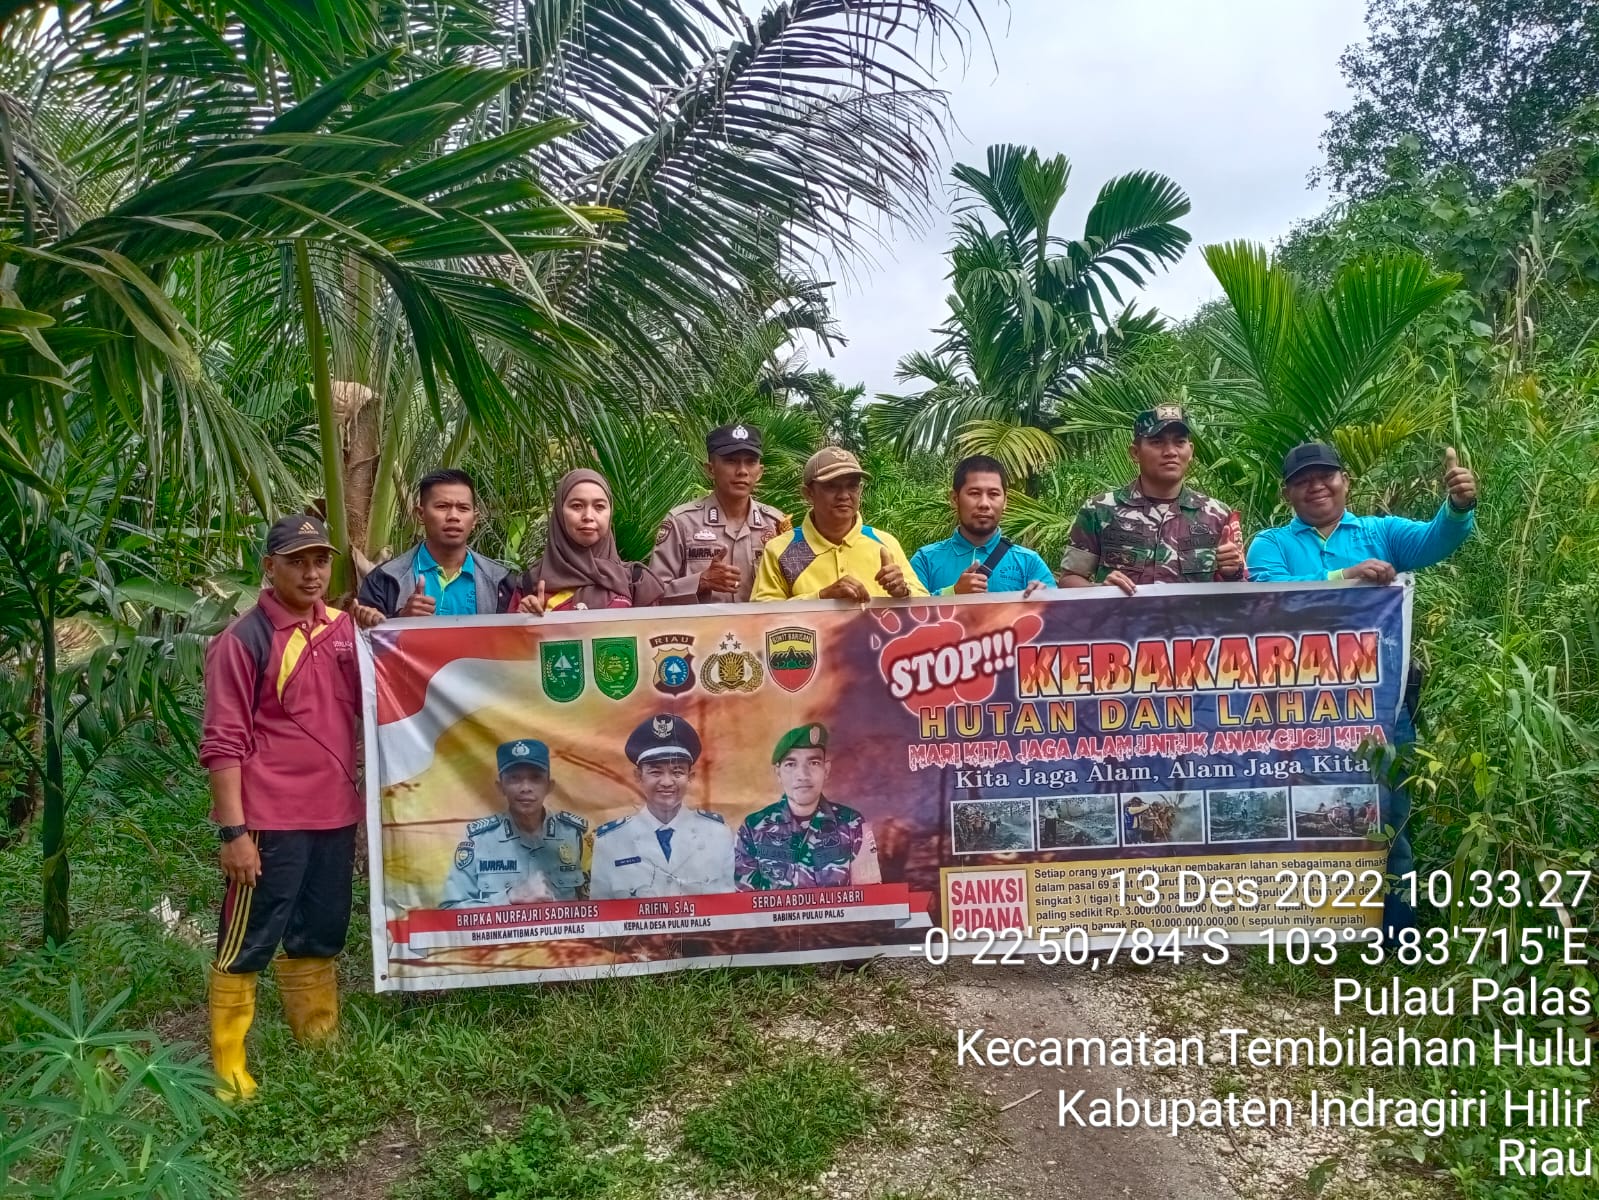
point(662, 736)
point(801, 737)
point(524, 752)
point(738, 438)
point(1157, 420)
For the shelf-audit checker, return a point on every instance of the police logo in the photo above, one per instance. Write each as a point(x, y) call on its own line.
point(662, 533)
point(520, 750)
point(673, 667)
point(731, 669)
point(464, 853)
point(741, 433)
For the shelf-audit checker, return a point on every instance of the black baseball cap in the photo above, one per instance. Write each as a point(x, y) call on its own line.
point(1310, 454)
point(296, 532)
point(733, 439)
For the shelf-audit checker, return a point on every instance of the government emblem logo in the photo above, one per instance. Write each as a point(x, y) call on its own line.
point(731, 669)
point(561, 670)
point(673, 666)
point(463, 855)
point(616, 666)
point(791, 657)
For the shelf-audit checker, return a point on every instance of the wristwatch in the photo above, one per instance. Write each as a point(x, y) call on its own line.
point(227, 833)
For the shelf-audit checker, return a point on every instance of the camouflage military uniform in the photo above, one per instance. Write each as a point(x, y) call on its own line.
point(1148, 540)
point(834, 848)
point(497, 859)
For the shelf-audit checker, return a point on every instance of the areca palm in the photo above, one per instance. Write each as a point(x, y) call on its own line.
point(1297, 364)
point(1032, 314)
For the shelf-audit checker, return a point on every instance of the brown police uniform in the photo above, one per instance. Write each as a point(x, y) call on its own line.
point(690, 537)
point(692, 533)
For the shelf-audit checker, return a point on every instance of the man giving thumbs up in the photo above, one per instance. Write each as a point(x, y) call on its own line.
point(1326, 541)
point(831, 555)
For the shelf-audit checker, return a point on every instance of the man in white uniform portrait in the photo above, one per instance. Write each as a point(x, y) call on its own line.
point(664, 849)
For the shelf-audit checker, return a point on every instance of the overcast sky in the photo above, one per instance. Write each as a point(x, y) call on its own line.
point(1227, 97)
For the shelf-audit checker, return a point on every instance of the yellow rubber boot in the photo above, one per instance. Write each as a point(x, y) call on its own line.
point(232, 1000)
point(310, 991)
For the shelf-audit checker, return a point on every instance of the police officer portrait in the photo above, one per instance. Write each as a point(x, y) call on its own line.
point(665, 848)
point(525, 854)
point(805, 839)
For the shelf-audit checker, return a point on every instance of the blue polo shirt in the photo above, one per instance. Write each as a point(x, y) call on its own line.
point(1297, 552)
point(458, 597)
point(939, 565)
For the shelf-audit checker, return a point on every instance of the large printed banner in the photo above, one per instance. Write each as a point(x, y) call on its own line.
point(1088, 762)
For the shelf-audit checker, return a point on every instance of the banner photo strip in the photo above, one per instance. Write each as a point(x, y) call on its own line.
point(636, 791)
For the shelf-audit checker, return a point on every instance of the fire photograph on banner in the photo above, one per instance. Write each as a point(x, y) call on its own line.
point(1342, 811)
point(991, 826)
point(1247, 814)
point(1066, 822)
point(1163, 818)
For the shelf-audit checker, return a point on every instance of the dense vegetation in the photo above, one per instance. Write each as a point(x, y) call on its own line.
point(255, 256)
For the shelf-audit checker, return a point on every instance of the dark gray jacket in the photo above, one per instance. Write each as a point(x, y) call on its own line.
point(386, 588)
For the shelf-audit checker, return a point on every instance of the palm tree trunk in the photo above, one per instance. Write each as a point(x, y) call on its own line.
point(327, 425)
point(56, 875)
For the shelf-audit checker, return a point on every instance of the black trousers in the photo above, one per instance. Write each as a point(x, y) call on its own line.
point(301, 902)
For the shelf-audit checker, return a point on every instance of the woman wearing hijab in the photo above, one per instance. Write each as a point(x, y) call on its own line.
point(580, 567)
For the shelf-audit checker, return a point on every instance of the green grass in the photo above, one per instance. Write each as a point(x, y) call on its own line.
point(126, 854)
point(429, 1068)
point(783, 1123)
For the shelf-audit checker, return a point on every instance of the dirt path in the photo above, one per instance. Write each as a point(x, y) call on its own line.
point(1044, 1159)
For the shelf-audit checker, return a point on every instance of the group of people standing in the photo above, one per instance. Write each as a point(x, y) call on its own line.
point(282, 686)
point(730, 547)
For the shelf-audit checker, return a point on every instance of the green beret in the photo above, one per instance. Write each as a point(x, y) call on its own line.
point(802, 737)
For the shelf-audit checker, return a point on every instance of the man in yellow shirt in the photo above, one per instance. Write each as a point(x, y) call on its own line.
point(831, 555)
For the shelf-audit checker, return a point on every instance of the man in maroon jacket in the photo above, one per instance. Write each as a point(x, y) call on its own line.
point(282, 701)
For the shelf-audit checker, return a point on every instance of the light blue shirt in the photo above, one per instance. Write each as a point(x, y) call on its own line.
point(939, 565)
point(458, 598)
point(1297, 552)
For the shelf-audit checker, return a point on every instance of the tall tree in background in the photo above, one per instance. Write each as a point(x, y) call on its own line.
point(1479, 83)
point(1033, 314)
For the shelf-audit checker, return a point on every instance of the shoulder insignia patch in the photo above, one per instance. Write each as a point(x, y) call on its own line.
point(482, 825)
point(710, 816)
point(572, 819)
point(610, 825)
point(660, 534)
point(464, 853)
